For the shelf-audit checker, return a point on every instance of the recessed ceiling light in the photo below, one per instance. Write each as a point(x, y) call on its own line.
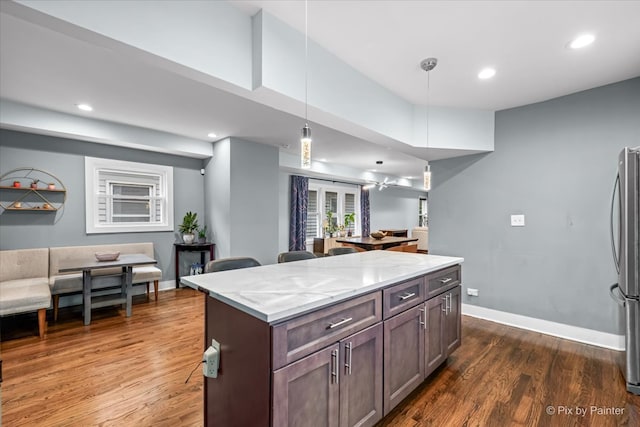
point(373, 170)
point(323, 159)
point(486, 73)
point(582, 41)
point(85, 107)
point(211, 135)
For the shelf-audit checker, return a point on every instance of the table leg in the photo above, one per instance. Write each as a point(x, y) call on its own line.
point(177, 268)
point(86, 294)
point(129, 279)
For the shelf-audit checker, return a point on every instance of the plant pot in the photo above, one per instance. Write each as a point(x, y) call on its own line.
point(188, 238)
point(17, 184)
point(51, 186)
point(34, 185)
point(202, 239)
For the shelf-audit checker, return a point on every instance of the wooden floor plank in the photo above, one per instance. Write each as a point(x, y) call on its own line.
point(122, 371)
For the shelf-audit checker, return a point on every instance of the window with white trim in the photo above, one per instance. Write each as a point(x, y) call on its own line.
point(339, 199)
point(127, 197)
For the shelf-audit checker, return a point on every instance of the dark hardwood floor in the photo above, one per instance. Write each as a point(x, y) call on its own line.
point(131, 372)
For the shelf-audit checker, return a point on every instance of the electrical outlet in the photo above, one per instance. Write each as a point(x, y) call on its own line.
point(472, 292)
point(211, 359)
point(517, 220)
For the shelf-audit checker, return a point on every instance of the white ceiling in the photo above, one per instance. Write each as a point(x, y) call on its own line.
point(385, 40)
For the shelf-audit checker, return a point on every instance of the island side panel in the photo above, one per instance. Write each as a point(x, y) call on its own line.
point(240, 395)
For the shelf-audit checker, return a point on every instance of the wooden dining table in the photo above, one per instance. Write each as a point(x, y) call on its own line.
point(371, 244)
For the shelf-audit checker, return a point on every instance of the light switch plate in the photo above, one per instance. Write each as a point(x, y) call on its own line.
point(517, 220)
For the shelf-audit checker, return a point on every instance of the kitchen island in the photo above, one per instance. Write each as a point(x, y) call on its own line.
point(328, 341)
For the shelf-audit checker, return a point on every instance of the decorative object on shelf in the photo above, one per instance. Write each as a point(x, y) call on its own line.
point(428, 65)
point(378, 235)
point(305, 140)
point(107, 256)
point(202, 234)
point(188, 227)
point(14, 196)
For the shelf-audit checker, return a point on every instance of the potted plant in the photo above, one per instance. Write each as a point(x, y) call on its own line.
point(202, 234)
point(349, 219)
point(34, 183)
point(331, 227)
point(16, 184)
point(188, 227)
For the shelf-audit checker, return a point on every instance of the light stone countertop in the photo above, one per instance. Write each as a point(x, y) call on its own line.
point(277, 292)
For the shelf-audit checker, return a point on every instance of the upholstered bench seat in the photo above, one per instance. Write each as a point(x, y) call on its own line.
point(70, 283)
point(24, 283)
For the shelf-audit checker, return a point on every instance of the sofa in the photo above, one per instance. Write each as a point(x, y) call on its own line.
point(24, 283)
point(71, 283)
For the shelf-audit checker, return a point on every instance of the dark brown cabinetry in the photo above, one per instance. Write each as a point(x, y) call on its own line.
point(420, 338)
point(403, 355)
point(443, 328)
point(337, 386)
point(346, 364)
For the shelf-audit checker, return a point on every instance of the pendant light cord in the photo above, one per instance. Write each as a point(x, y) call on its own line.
point(428, 103)
point(306, 60)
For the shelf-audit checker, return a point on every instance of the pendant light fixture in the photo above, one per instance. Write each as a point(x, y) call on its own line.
point(428, 65)
point(305, 140)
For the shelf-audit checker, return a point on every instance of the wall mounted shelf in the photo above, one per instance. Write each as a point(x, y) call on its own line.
point(21, 197)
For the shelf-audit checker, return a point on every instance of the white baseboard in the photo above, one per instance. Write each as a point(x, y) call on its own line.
point(573, 333)
point(166, 285)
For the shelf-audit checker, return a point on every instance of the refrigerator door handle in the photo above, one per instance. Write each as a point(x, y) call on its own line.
point(617, 296)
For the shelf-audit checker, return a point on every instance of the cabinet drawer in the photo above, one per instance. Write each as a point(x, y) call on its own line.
point(303, 335)
point(402, 296)
point(442, 280)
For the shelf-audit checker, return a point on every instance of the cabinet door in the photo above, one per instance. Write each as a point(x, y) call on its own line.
point(403, 355)
point(435, 352)
point(452, 335)
point(306, 392)
point(361, 378)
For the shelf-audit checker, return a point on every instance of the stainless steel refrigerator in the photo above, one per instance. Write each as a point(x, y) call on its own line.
point(626, 253)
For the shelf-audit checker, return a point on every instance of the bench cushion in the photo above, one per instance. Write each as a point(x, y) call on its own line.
point(24, 264)
point(24, 295)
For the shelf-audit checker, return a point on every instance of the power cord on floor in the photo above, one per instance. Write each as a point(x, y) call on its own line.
point(194, 369)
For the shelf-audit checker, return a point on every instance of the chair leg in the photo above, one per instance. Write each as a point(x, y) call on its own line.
point(155, 289)
point(147, 290)
point(42, 322)
point(56, 301)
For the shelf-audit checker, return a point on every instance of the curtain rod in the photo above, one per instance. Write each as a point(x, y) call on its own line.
point(335, 181)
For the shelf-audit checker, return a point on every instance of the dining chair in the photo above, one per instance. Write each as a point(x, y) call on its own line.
point(294, 256)
point(342, 250)
point(233, 263)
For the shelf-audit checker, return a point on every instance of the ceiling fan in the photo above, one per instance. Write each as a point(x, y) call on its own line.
point(381, 185)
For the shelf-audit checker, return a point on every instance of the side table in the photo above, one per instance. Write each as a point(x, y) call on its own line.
point(193, 247)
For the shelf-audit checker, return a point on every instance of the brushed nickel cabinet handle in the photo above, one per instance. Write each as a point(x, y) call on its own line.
point(407, 296)
point(444, 306)
point(340, 323)
point(334, 367)
point(446, 280)
point(347, 364)
point(423, 323)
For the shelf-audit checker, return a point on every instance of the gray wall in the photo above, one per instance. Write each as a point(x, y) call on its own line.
point(555, 162)
point(394, 208)
point(64, 158)
point(242, 197)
